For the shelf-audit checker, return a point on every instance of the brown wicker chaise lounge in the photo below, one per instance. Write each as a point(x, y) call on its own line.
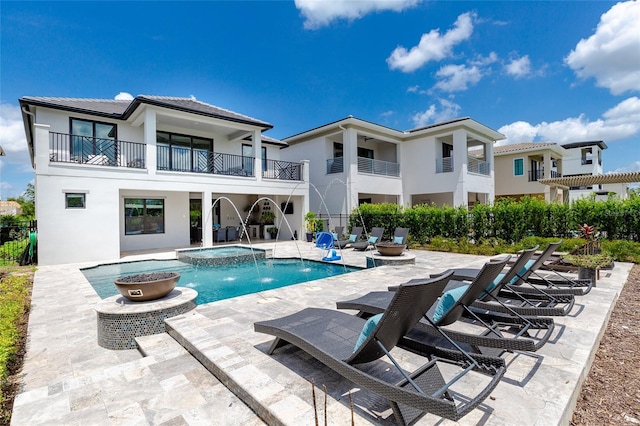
point(495, 330)
point(508, 298)
point(357, 231)
point(363, 245)
point(330, 337)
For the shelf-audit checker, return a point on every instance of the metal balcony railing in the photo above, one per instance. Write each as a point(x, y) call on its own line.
point(478, 166)
point(65, 148)
point(378, 167)
point(444, 165)
point(335, 165)
point(535, 175)
point(179, 159)
point(555, 174)
point(282, 170)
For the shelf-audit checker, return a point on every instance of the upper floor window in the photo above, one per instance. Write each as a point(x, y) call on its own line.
point(93, 138)
point(586, 156)
point(338, 150)
point(518, 167)
point(184, 153)
point(365, 153)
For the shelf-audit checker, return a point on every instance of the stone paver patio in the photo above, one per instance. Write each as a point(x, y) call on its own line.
point(68, 379)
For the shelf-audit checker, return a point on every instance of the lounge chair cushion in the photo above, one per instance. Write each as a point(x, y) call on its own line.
point(372, 240)
point(335, 236)
point(397, 240)
point(523, 271)
point(352, 238)
point(368, 327)
point(447, 300)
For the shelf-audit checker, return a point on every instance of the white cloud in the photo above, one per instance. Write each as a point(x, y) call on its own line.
point(387, 114)
point(124, 96)
point(432, 46)
point(485, 60)
point(612, 54)
point(455, 78)
point(12, 137)
point(433, 114)
point(633, 167)
point(620, 122)
point(319, 13)
point(519, 67)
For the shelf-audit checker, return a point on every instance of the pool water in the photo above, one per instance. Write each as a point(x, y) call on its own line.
point(221, 281)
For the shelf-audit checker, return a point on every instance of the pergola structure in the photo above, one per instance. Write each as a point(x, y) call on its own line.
point(566, 182)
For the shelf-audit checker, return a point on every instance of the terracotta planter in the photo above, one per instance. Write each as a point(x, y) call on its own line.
point(143, 287)
point(390, 249)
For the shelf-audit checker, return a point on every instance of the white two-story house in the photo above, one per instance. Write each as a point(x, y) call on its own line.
point(354, 161)
point(115, 176)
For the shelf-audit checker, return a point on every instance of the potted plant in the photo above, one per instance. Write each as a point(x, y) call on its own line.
point(589, 264)
point(268, 218)
point(310, 223)
point(272, 231)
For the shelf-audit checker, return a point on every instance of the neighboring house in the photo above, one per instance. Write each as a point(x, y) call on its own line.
point(114, 176)
point(585, 159)
point(355, 161)
point(519, 167)
point(10, 208)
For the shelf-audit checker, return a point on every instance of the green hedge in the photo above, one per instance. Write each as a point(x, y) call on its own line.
point(506, 220)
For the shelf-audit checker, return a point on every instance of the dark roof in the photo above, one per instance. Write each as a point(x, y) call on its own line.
point(442, 123)
point(601, 144)
point(122, 109)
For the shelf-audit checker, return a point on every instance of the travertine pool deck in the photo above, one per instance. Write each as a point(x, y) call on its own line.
point(68, 379)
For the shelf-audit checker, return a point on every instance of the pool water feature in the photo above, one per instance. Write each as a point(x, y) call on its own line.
point(217, 282)
point(226, 255)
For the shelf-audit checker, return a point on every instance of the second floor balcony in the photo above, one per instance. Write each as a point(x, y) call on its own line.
point(477, 166)
point(365, 165)
point(65, 148)
point(444, 165)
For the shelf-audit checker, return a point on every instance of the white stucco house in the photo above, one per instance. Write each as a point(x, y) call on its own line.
point(356, 161)
point(115, 176)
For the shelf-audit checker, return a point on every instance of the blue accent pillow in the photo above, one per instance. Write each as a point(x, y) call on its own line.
point(352, 238)
point(398, 240)
point(523, 271)
point(447, 300)
point(335, 236)
point(372, 240)
point(493, 284)
point(368, 327)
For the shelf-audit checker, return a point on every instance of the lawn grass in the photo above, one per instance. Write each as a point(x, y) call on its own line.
point(15, 298)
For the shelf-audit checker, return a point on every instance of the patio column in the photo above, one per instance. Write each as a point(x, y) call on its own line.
point(350, 152)
point(460, 195)
point(150, 139)
point(207, 219)
point(257, 152)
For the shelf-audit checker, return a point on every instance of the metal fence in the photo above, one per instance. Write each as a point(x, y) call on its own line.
point(18, 242)
point(65, 148)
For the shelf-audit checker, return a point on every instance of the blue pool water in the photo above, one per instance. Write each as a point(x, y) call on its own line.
point(222, 281)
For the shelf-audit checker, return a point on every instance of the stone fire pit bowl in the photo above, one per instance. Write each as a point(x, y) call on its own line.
point(390, 248)
point(151, 286)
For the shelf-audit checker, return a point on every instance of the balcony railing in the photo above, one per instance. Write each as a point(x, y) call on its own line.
point(535, 175)
point(444, 165)
point(478, 166)
point(587, 161)
point(64, 148)
point(282, 170)
point(555, 174)
point(378, 167)
point(178, 159)
point(335, 165)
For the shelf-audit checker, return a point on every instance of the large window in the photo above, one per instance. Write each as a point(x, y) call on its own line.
point(184, 153)
point(74, 200)
point(94, 141)
point(143, 216)
point(518, 167)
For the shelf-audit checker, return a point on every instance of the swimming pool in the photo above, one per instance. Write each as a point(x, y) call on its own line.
point(220, 281)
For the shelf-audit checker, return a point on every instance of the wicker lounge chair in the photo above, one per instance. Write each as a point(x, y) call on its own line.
point(374, 237)
point(357, 231)
point(510, 299)
point(495, 330)
point(330, 337)
point(400, 235)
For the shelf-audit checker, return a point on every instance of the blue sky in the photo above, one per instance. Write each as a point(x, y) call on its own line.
point(562, 71)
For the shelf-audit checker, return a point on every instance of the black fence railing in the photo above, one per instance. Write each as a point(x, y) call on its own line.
point(64, 148)
point(282, 170)
point(18, 242)
point(178, 159)
point(535, 175)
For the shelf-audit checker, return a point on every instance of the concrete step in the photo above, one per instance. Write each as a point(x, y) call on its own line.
point(160, 346)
